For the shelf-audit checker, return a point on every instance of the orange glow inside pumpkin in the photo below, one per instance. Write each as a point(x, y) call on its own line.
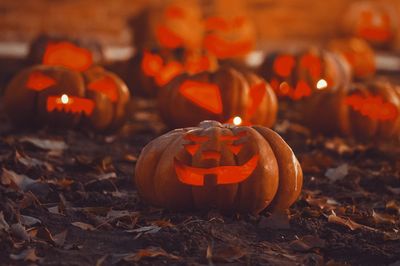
point(67, 55)
point(222, 174)
point(153, 66)
point(197, 64)
point(283, 65)
point(70, 104)
point(105, 85)
point(257, 93)
point(169, 72)
point(373, 107)
point(224, 49)
point(203, 94)
point(38, 81)
point(374, 26)
point(167, 38)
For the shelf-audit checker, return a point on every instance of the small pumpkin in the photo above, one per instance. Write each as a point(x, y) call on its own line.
point(61, 97)
point(367, 111)
point(75, 54)
point(221, 95)
point(297, 75)
point(359, 55)
point(375, 22)
point(229, 36)
point(232, 168)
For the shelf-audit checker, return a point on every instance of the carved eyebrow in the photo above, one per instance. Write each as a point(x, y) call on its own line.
point(196, 138)
point(38, 81)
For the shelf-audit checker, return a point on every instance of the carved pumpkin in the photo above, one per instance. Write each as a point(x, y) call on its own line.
point(299, 75)
point(358, 54)
point(77, 55)
point(229, 37)
point(61, 97)
point(153, 70)
point(367, 111)
point(221, 95)
point(231, 168)
point(374, 22)
point(175, 25)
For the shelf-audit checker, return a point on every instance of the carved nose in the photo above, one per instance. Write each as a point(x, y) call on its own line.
point(211, 155)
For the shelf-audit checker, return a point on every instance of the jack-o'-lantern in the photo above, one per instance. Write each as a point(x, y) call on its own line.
point(60, 97)
point(231, 168)
point(221, 95)
point(178, 24)
point(366, 111)
point(74, 54)
point(152, 70)
point(358, 54)
point(229, 36)
point(374, 22)
point(300, 74)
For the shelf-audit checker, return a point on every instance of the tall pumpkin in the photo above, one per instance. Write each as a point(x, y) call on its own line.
point(221, 95)
point(232, 168)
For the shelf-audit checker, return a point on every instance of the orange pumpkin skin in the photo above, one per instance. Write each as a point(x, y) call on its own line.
point(359, 55)
point(296, 75)
point(367, 111)
point(221, 96)
point(375, 22)
point(34, 98)
point(263, 171)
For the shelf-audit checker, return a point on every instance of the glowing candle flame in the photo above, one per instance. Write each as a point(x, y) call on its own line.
point(322, 84)
point(237, 120)
point(64, 98)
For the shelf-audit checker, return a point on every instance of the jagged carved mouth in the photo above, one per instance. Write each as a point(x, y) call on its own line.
point(70, 104)
point(224, 174)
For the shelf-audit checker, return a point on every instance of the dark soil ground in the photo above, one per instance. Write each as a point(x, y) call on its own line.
point(68, 198)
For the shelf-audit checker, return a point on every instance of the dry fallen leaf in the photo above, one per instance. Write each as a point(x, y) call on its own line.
point(18, 230)
point(26, 255)
point(393, 205)
point(381, 218)
point(333, 218)
point(307, 243)
point(29, 220)
point(17, 181)
point(45, 144)
point(149, 252)
point(32, 162)
point(337, 173)
point(84, 226)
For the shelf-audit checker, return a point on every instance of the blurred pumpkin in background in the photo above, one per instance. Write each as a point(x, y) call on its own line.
point(359, 55)
point(55, 96)
point(298, 75)
point(373, 21)
point(174, 24)
point(369, 110)
point(231, 168)
point(71, 53)
point(222, 95)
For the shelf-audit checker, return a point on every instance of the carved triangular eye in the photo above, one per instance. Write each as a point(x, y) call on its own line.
point(151, 64)
point(203, 94)
point(168, 72)
point(313, 64)
point(105, 85)
point(283, 65)
point(68, 55)
point(38, 81)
